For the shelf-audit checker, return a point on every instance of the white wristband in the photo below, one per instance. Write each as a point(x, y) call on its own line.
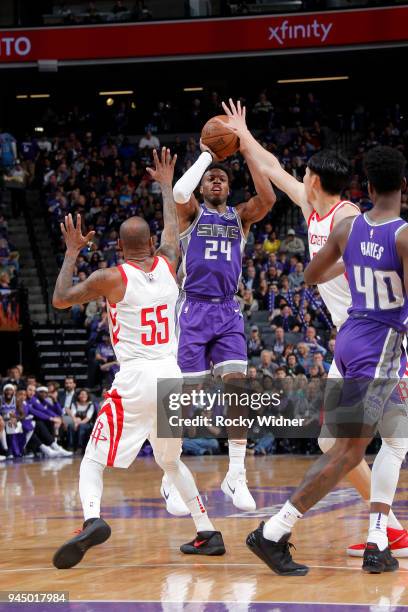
point(185, 186)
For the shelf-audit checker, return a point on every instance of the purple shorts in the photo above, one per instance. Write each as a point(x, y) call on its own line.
point(368, 349)
point(210, 335)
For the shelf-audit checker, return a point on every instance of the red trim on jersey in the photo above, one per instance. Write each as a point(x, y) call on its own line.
point(169, 266)
point(341, 206)
point(333, 208)
point(107, 409)
point(123, 275)
point(119, 421)
point(310, 218)
point(154, 264)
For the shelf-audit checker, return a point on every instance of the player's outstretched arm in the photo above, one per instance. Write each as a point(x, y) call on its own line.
point(163, 173)
point(325, 264)
point(267, 163)
point(66, 294)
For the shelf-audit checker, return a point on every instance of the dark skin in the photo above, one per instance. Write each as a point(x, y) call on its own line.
point(134, 241)
point(214, 189)
point(346, 453)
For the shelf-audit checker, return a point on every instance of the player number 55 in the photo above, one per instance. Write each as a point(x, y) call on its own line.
point(153, 317)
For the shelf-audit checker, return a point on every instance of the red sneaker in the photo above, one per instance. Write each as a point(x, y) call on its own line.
point(398, 541)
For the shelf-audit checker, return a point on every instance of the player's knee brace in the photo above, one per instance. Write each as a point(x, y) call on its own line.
point(325, 444)
point(395, 447)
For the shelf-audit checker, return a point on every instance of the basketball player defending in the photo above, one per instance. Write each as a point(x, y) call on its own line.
point(319, 198)
point(210, 324)
point(141, 296)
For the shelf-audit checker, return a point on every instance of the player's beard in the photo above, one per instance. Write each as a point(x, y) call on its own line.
point(216, 200)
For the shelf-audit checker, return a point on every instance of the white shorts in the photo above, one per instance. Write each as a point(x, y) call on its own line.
point(128, 415)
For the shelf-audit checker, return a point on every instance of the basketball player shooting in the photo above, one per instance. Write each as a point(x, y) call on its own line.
point(210, 324)
point(319, 197)
point(141, 298)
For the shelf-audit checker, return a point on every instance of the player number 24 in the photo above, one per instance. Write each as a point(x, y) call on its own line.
point(153, 318)
point(213, 246)
point(384, 285)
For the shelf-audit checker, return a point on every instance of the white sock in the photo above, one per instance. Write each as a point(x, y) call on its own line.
point(177, 473)
point(393, 522)
point(199, 514)
point(237, 454)
point(377, 533)
point(91, 487)
point(281, 523)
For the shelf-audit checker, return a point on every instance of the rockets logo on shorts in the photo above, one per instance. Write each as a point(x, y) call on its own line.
point(97, 433)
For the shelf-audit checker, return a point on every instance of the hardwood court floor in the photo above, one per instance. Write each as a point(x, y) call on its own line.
point(142, 563)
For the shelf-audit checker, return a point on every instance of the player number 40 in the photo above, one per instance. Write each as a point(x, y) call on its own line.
point(154, 319)
point(379, 286)
point(213, 247)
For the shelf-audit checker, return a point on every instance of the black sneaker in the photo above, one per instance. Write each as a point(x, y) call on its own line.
point(276, 555)
point(205, 543)
point(378, 561)
point(95, 531)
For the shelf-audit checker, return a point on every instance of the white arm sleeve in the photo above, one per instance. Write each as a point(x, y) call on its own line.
point(185, 186)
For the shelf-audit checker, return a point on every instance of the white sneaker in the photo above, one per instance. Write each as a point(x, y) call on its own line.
point(48, 451)
point(61, 451)
point(174, 504)
point(2, 458)
point(236, 488)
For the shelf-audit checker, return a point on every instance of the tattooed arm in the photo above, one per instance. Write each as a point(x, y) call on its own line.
point(99, 283)
point(163, 173)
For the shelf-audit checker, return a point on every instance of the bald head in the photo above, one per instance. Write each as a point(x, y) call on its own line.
point(134, 234)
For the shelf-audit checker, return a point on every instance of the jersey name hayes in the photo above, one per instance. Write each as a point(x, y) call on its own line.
point(214, 231)
point(372, 249)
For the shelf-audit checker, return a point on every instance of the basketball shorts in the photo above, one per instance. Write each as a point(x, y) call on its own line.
point(211, 337)
point(128, 415)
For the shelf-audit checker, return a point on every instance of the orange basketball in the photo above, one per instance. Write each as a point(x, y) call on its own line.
point(222, 142)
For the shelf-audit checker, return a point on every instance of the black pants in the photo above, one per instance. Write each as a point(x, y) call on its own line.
point(41, 435)
point(18, 200)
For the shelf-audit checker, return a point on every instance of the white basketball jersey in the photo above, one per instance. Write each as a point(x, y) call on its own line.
point(142, 324)
point(335, 293)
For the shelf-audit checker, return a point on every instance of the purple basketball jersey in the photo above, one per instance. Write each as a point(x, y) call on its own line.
point(375, 272)
point(212, 249)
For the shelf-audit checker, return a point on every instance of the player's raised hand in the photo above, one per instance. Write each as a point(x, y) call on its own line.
point(204, 147)
point(236, 115)
point(163, 171)
point(73, 237)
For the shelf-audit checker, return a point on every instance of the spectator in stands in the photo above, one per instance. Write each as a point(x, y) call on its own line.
point(252, 372)
point(106, 359)
point(119, 7)
point(293, 367)
point(268, 365)
point(296, 278)
point(248, 303)
point(312, 341)
point(279, 344)
point(15, 378)
point(292, 245)
point(285, 319)
point(271, 245)
point(322, 366)
point(149, 141)
point(262, 111)
point(82, 411)
point(303, 356)
point(255, 343)
point(8, 150)
point(330, 351)
point(67, 394)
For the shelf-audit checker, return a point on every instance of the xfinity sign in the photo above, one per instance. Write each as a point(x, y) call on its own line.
point(307, 31)
point(11, 46)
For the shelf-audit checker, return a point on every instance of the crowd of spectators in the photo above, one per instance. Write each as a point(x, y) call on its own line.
point(43, 420)
point(104, 179)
